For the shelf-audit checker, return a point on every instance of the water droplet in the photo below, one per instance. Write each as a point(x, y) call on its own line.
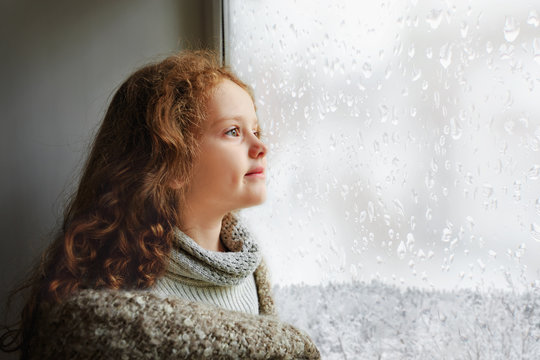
point(487, 190)
point(428, 214)
point(383, 111)
point(429, 53)
point(434, 166)
point(401, 250)
point(509, 126)
point(366, 70)
point(387, 72)
point(456, 129)
point(399, 207)
point(362, 216)
point(535, 231)
point(537, 206)
point(421, 255)
point(511, 29)
point(446, 235)
point(434, 18)
point(506, 51)
point(533, 18)
point(481, 264)
point(410, 240)
point(413, 222)
point(517, 190)
point(445, 55)
point(464, 29)
point(416, 74)
point(376, 147)
point(492, 253)
point(371, 211)
point(534, 172)
point(411, 51)
point(536, 50)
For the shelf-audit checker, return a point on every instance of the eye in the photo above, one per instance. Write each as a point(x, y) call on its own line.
point(233, 132)
point(257, 133)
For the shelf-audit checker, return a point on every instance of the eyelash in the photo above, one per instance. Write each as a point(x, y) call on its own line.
point(237, 129)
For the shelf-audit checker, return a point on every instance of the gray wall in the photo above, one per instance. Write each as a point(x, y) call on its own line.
point(61, 60)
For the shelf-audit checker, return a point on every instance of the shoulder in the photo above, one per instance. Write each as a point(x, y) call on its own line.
point(138, 324)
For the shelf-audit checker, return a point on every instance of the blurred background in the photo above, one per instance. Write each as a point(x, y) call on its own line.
point(404, 139)
point(404, 136)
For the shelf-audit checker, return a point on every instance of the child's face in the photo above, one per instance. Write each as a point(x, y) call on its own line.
point(231, 169)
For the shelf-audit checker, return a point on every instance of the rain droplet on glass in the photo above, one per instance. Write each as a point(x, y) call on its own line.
point(534, 172)
point(533, 18)
point(456, 129)
point(464, 29)
point(401, 250)
point(428, 214)
point(410, 240)
point(399, 207)
point(446, 235)
point(366, 70)
point(511, 28)
point(371, 211)
point(445, 55)
point(535, 231)
point(487, 190)
point(434, 18)
point(536, 50)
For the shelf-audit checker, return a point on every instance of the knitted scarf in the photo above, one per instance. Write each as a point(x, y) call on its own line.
point(193, 264)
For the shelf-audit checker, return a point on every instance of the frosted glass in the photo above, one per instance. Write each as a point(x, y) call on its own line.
point(404, 139)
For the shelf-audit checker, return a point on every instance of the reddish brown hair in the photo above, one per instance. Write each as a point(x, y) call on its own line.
point(118, 227)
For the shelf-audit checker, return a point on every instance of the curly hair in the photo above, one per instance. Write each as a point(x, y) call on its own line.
point(117, 230)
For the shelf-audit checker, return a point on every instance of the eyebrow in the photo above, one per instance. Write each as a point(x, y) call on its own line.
point(234, 117)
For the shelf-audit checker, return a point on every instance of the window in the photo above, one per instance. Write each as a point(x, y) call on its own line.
point(404, 139)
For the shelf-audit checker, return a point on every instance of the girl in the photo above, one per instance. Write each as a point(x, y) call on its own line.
point(152, 260)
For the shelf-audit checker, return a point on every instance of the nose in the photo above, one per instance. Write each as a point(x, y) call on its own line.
point(257, 148)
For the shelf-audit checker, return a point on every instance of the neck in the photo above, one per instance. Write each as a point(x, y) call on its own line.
point(204, 229)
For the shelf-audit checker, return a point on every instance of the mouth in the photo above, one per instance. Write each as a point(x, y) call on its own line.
point(256, 172)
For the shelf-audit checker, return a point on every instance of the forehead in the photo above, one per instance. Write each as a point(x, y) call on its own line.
point(228, 100)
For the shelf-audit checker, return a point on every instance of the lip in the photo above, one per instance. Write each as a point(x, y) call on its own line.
point(256, 172)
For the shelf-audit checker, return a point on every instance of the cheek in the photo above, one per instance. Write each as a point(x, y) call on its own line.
point(221, 168)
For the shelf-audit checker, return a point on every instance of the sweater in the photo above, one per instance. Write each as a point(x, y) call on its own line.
point(114, 324)
point(224, 279)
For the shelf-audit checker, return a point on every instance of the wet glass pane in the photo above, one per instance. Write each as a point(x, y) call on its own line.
point(404, 139)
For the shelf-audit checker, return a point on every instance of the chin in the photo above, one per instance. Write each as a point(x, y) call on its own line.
point(255, 201)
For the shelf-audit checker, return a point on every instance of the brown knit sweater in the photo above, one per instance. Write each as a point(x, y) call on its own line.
point(113, 324)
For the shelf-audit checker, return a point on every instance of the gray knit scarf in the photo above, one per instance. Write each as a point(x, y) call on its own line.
point(190, 263)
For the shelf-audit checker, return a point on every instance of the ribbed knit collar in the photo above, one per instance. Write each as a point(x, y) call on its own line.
point(189, 262)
